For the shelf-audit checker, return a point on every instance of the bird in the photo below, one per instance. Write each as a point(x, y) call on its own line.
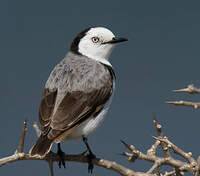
point(78, 93)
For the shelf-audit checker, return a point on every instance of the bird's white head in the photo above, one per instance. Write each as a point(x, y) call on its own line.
point(95, 43)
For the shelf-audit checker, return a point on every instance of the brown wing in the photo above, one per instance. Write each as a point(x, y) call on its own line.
point(46, 109)
point(75, 108)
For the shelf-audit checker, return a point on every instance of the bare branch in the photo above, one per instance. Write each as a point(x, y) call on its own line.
point(159, 133)
point(190, 89)
point(184, 103)
point(152, 150)
point(170, 173)
point(130, 147)
point(191, 166)
point(52, 157)
point(160, 161)
point(156, 165)
point(21, 142)
point(178, 172)
point(198, 167)
point(177, 150)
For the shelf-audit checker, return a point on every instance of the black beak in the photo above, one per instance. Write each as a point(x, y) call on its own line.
point(116, 40)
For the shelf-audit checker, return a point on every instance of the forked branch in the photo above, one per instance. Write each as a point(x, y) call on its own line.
point(189, 164)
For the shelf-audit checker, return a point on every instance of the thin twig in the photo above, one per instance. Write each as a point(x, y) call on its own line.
point(170, 173)
point(156, 165)
point(162, 160)
point(179, 151)
point(22, 138)
point(134, 155)
point(153, 168)
point(152, 150)
point(130, 147)
point(190, 89)
point(160, 134)
point(184, 103)
point(191, 166)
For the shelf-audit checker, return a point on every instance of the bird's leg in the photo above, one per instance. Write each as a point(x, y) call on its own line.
point(61, 154)
point(90, 156)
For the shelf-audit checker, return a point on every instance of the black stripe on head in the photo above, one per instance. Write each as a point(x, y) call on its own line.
point(75, 43)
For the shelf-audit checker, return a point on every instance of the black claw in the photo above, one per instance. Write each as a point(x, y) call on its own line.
point(90, 157)
point(61, 155)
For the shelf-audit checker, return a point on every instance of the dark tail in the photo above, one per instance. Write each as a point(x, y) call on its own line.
point(42, 146)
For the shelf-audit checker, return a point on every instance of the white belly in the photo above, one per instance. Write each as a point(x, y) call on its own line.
point(87, 127)
point(90, 125)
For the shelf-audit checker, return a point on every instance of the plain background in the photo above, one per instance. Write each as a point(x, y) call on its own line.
point(162, 54)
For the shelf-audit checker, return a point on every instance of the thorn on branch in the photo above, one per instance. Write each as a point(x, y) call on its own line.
point(131, 156)
point(190, 89)
point(195, 105)
point(130, 147)
point(179, 166)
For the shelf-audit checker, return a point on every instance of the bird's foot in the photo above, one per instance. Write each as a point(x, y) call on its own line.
point(61, 155)
point(90, 157)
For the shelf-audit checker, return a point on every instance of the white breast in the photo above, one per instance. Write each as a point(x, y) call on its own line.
point(91, 124)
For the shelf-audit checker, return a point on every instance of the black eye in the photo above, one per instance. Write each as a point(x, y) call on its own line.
point(95, 39)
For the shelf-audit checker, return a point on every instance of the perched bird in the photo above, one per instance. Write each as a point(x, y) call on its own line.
point(78, 92)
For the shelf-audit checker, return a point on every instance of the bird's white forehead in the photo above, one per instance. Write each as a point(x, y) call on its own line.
point(100, 32)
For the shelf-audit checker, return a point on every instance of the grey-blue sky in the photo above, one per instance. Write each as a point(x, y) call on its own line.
point(162, 54)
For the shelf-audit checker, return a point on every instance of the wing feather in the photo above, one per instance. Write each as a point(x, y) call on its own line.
point(76, 106)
